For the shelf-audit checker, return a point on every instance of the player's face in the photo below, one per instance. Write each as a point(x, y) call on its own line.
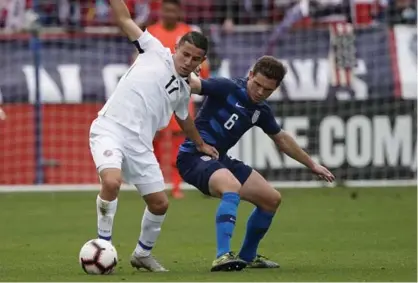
point(187, 58)
point(170, 14)
point(259, 87)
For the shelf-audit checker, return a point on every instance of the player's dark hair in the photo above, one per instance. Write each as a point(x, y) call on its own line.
point(195, 38)
point(174, 2)
point(271, 68)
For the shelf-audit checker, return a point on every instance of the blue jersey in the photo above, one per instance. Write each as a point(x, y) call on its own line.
point(227, 113)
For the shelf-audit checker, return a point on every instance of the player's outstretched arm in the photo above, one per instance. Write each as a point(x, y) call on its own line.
point(2, 114)
point(124, 20)
point(219, 87)
point(289, 146)
point(192, 133)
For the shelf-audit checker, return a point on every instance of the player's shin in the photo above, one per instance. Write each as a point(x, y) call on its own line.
point(106, 211)
point(150, 230)
point(225, 221)
point(257, 226)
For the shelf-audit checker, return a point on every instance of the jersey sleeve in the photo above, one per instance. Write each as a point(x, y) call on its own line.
point(147, 42)
point(182, 110)
point(218, 87)
point(268, 123)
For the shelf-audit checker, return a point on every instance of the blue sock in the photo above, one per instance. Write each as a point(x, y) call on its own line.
point(257, 226)
point(225, 222)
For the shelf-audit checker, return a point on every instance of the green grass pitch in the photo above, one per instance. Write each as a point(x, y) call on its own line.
point(318, 235)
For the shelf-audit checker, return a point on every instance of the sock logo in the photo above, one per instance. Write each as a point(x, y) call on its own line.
point(103, 210)
point(226, 218)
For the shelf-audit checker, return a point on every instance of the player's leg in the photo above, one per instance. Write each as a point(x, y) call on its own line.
point(144, 171)
point(108, 157)
point(212, 178)
point(152, 220)
point(267, 200)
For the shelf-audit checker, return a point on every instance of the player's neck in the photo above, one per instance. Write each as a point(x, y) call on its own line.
point(169, 26)
point(174, 67)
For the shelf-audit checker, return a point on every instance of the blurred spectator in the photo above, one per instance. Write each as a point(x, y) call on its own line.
point(98, 12)
point(70, 13)
point(319, 10)
point(249, 11)
point(12, 14)
point(199, 12)
point(402, 12)
point(237, 12)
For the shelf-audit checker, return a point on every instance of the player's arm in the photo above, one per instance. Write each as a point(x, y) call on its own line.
point(288, 145)
point(2, 114)
point(190, 130)
point(210, 87)
point(124, 20)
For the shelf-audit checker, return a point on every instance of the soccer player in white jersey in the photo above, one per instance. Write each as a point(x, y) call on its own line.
point(121, 136)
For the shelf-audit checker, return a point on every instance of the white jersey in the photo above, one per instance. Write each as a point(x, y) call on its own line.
point(149, 92)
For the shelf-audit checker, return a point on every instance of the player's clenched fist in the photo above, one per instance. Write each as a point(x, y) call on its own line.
point(209, 150)
point(323, 173)
point(2, 115)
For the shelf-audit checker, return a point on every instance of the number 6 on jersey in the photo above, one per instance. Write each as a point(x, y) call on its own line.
point(231, 121)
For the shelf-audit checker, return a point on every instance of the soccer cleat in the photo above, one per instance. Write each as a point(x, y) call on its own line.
point(228, 262)
point(262, 262)
point(147, 262)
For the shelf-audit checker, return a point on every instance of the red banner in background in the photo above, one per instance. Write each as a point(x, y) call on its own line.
point(65, 147)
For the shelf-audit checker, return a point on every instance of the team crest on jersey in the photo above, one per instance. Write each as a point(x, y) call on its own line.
point(205, 157)
point(255, 117)
point(107, 153)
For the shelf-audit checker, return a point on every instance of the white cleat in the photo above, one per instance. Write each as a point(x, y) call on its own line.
point(147, 262)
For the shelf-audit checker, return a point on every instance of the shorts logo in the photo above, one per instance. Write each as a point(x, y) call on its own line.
point(255, 117)
point(205, 158)
point(107, 153)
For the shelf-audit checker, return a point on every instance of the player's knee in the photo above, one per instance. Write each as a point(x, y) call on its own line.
point(157, 203)
point(277, 200)
point(273, 202)
point(111, 181)
point(223, 181)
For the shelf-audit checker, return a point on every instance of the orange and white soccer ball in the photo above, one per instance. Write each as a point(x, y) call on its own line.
point(98, 256)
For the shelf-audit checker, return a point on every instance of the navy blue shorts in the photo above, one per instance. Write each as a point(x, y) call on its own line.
point(196, 169)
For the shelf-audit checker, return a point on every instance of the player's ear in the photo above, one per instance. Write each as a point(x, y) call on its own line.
point(203, 59)
point(251, 74)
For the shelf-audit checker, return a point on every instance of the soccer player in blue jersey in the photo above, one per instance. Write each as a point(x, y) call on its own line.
point(230, 108)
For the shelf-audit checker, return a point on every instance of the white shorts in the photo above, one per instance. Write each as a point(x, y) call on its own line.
point(113, 146)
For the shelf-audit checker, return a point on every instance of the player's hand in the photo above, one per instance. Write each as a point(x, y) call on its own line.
point(198, 70)
point(323, 173)
point(2, 115)
point(209, 150)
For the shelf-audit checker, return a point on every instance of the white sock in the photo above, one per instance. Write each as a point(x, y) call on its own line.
point(150, 229)
point(106, 211)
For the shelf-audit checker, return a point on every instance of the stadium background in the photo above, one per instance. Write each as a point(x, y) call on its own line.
point(363, 128)
point(363, 131)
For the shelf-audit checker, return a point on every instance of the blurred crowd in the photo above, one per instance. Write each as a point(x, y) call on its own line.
point(77, 14)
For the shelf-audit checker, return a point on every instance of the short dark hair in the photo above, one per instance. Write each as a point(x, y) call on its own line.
point(195, 38)
point(271, 68)
point(174, 2)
